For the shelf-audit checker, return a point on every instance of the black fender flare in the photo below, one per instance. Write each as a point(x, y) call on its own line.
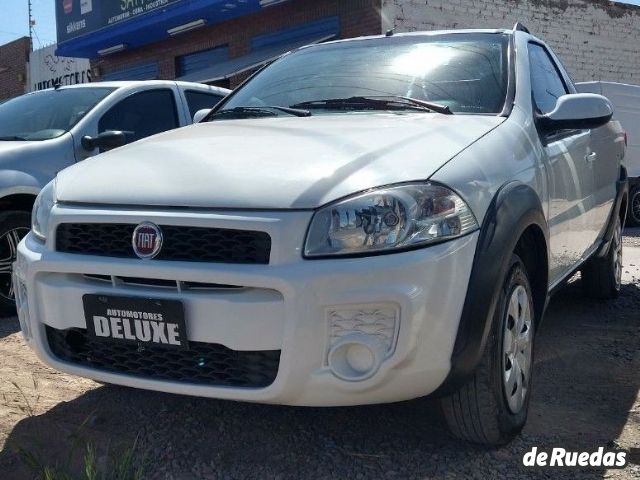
point(620, 202)
point(514, 208)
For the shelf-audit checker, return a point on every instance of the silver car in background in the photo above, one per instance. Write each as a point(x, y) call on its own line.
point(42, 133)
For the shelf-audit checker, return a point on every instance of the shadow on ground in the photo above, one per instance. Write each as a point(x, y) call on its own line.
point(8, 326)
point(587, 380)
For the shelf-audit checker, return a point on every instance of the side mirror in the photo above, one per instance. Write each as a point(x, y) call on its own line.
point(578, 111)
point(200, 114)
point(105, 140)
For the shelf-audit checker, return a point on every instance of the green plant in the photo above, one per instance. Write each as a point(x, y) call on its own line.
point(123, 464)
point(29, 402)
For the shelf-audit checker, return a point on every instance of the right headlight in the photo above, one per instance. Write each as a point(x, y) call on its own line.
point(388, 219)
point(42, 211)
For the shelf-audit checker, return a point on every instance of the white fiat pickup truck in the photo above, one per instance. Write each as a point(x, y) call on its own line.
point(364, 221)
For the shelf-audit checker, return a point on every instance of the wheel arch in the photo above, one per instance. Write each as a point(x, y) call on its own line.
point(532, 248)
point(18, 201)
point(619, 208)
point(626, 193)
point(514, 222)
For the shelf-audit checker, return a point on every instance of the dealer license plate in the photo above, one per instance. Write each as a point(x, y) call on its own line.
point(143, 321)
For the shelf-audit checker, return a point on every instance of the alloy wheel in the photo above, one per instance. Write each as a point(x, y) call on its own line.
point(635, 206)
point(617, 254)
point(8, 250)
point(517, 346)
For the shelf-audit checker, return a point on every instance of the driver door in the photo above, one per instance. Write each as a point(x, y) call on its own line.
point(140, 115)
point(569, 171)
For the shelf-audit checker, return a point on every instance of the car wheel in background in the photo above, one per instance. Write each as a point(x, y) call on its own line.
point(633, 214)
point(14, 225)
point(492, 408)
point(602, 276)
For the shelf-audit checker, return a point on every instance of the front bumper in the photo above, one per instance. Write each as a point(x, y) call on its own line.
point(290, 305)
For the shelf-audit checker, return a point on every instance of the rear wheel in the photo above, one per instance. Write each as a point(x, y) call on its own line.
point(14, 225)
point(602, 276)
point(633, 215)
point(492, 408)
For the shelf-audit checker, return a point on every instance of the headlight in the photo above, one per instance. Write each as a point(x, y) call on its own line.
point(386, 219)
point(42, 210)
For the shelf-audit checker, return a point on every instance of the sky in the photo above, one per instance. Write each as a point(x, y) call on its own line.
point(14, 21)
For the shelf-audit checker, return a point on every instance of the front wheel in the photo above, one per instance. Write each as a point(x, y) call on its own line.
point(14, 225)
point(633, 215)
point(602, 276)
point(492, 408)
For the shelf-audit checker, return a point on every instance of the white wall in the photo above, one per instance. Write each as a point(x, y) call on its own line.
point(596, 39)
point(46, 69)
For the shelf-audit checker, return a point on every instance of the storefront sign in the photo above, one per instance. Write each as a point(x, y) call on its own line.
point(46, 70)
point(80, 17)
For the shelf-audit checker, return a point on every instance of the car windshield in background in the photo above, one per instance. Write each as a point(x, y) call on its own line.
point(465, 72)
point(47, 114)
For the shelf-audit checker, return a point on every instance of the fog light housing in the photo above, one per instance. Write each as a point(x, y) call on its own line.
point(360, 358)
point(356, 357)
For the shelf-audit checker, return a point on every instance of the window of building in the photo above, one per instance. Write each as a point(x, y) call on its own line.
point(195, 62)
point(148, 71)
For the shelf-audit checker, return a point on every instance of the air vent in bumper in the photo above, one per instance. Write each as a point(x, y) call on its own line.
point(203, 364)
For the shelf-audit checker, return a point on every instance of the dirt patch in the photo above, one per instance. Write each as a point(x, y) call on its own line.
point(586, 395)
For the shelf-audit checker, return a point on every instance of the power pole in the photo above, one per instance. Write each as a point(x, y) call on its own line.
point(31, 24)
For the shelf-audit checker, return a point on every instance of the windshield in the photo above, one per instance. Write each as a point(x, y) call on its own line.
point(47, 114)
point(465, 72)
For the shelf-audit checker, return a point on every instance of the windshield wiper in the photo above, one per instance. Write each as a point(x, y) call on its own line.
point(12, 138)
point(436, 107)
point(378, 102)
point(262, 111)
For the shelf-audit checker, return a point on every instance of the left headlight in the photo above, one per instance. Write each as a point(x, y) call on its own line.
point(387, 219)
point(42, 211)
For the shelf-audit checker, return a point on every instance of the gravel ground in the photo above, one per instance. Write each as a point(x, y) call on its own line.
point(632, 237)
point(585, 396)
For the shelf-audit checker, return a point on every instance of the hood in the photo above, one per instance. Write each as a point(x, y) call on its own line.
point(33, 163)
point(276, 163)
point(15, 151)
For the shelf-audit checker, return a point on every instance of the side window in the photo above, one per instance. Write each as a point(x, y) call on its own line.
point(546, 82)
point(201, 100)
point(142, 114)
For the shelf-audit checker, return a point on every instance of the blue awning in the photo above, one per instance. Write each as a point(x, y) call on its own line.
point(83, 34)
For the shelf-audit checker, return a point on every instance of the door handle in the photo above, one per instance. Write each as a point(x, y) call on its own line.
point(591, 157)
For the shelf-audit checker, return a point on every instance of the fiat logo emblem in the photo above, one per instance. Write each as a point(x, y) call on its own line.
point(147, 240)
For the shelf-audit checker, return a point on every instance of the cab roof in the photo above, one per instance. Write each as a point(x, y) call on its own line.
point(137, 83)
point(432, 33)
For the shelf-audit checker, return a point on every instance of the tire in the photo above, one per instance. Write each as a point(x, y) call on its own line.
point(484, 411)
point(13, 226)
point(633, 214)
point(602, 276)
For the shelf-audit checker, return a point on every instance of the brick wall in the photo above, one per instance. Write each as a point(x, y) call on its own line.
point(596, 39)
point(13, 67)
point(357, 17)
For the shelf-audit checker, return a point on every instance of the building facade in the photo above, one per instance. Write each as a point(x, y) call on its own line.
point(47, 70)
point(14, 58)
point(595, 39)
point(206, 40)
point(222, 41)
